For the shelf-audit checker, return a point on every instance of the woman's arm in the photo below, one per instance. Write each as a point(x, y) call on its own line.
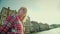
point(7, 24)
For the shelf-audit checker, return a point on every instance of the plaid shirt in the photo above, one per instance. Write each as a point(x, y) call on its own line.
point(12, 25)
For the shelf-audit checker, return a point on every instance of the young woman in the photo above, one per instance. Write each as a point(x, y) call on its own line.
point(14, 24)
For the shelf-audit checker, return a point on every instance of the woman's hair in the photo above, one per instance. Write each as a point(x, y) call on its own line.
point(23, 17)
point(24, 8)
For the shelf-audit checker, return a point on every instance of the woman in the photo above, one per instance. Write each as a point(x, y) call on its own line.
point(14, 24)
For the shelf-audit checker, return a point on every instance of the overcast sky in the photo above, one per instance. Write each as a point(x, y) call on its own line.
point(46, 11)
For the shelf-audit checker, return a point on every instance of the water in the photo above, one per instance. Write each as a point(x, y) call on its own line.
point(52, 31)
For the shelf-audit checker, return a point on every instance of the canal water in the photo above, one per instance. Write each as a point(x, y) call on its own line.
point(52, 31)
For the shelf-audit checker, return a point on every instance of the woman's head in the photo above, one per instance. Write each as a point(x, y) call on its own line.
point(22, 12)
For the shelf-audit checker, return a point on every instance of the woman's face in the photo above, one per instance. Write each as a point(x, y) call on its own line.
point(23, 11)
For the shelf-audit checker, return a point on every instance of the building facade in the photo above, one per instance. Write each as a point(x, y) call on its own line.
point(28, 25)
point(5, 12)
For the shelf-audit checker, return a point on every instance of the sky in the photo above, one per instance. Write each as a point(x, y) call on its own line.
point(45, 11)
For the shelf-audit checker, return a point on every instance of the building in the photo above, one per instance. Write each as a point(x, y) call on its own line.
point(35, 26)
point(5, 12)
point(44, 27)
point(28, 25)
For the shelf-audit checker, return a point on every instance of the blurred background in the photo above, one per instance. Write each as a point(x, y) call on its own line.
point(42, 15)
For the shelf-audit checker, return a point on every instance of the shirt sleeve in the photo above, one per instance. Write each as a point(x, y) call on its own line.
point(7, 24)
